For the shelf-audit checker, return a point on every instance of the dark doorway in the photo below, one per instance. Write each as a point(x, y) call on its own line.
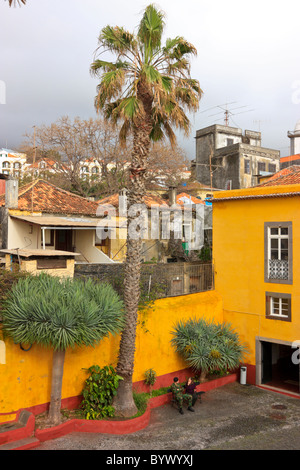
point(266, 361)
point(278, 369)
point(63, 240)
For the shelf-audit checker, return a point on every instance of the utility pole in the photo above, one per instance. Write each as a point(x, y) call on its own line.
point(34, 158)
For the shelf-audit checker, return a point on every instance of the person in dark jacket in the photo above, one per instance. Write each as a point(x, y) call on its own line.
point(179, 396)
point(190, 389)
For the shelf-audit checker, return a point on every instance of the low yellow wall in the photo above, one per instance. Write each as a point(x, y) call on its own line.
point(25, 377)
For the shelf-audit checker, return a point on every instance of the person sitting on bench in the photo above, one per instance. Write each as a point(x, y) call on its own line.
point(190, 389)
point(179, 396)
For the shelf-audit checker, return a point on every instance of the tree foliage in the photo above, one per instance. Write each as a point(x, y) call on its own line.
point(208, 346)
point(61, 313)
point(145, 69)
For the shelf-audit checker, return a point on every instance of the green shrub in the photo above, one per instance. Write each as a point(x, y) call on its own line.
point(99, 391)
point(150, 377)
point(208, 346)
point(141, 401)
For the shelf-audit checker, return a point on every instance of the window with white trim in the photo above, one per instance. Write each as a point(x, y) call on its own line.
point(278, 252)
point(278, 306)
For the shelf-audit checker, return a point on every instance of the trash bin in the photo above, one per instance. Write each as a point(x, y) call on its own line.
point(243, 376)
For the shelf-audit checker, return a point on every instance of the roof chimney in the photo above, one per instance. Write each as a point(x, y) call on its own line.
point(11, 193)
point(172, 195)
point(123, 203)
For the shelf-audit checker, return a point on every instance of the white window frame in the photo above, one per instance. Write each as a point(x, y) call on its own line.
point(274, 307)
point(279, 236)
point(268, 238)
point(284, 312)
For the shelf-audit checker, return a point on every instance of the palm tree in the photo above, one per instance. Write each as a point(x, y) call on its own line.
point(60, 314)
point(149, 89)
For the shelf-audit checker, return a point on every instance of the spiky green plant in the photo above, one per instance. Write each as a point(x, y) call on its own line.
point(60, 313)
point(208, 346)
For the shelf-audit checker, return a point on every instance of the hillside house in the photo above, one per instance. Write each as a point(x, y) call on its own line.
point(227, 158)
point(41, 216)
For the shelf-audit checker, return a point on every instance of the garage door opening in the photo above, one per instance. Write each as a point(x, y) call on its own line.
point(277, 367)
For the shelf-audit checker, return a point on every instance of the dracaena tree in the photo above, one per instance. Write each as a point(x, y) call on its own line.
point(60, 314)
point(208, 346)
point(149, 90)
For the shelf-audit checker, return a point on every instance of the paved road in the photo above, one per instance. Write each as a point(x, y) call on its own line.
point(234, 417)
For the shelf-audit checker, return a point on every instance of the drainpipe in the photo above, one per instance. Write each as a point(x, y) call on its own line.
point(43, 237)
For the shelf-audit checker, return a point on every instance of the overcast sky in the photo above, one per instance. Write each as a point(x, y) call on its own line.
point(248, 57)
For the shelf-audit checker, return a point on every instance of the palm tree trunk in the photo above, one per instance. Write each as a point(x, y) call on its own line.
point(54, 417)
point(123, 403)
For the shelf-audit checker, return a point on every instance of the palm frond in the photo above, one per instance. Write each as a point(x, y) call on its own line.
point(148, 80)
point(150, 31)
point(117, 39)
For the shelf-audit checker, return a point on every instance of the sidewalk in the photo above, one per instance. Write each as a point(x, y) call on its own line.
point(231, 417)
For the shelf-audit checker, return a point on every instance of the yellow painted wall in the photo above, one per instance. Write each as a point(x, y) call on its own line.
point(238, 255)
point(25, 377)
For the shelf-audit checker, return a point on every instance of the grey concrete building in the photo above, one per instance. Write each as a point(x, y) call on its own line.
point(227, 158)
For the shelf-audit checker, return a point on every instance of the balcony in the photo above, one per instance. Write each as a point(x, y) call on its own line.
point(278, 269)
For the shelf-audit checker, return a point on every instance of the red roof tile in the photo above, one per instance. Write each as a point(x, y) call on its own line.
point(42, 196)
point(193, 199)
point(149, 199)
point(290, 175)
point(290, 158)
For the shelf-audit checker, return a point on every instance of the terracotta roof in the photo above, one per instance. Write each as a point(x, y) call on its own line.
point(193, 199)
point(290, 175)
point(290, 158)
point(18, 156)
point(50, 199)
point(149, 199)
point(196, 186)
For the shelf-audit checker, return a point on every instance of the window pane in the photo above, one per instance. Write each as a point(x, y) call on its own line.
point(274, 254)
point(275, 305)
point(285, 307)
point(274, 231)
point(274, 243)
point(284, 231)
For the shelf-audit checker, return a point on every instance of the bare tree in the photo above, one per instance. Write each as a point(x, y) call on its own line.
point(79, 144)
point(167, 164)
point(72, 145)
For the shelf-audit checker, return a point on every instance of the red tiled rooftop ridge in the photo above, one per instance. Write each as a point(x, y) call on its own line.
point(290, 158)
point(42, 196)
point(149, 200)
point(289, 175)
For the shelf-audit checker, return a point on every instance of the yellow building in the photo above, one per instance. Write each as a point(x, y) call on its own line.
point(256, 235)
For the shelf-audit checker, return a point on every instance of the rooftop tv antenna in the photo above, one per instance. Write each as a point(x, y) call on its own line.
point(228, 113)
point(259, 122)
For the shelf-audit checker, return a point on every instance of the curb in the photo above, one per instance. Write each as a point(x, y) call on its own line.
point(24, 437)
